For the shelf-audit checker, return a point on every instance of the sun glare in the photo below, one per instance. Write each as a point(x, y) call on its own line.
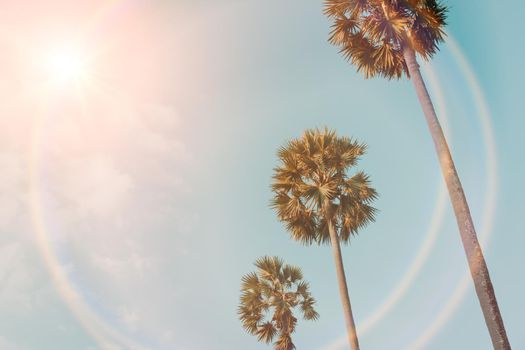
point(66, 65)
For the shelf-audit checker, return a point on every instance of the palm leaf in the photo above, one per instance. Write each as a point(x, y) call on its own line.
point(268, 300)
point(371, 34)
point(324, 160)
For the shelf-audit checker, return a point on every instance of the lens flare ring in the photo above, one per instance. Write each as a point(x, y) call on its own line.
point(107, 337)
point(464, 285)
point(415, 267)
point(104, 334)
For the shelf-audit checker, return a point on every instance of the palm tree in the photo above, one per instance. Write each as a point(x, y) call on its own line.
point(319, 202)
point(382, 37)
point(269, 298)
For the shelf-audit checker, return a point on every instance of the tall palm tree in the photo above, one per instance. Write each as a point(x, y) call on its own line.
point(320, 202)
point(269, 298)
point(382, 37)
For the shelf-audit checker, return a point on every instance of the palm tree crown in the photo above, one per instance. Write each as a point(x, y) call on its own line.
point(312, 186)
point(373, 33)
point(268, 299)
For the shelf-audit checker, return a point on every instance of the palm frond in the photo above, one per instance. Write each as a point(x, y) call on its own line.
point(307, 307)
point(371, 34)
point(266, 332)
point(250, 281)
point(284, 342)
point(323, 162)
point(342, 29)
point(268, 300)
point(269, 267)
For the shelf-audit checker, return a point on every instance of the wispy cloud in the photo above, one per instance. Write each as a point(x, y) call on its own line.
point(110, 188)
point(5, 344)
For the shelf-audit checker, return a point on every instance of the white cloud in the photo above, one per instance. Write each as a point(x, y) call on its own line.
point(12, 188)
point(125, 260)
point(95, 186)
point(21, 285)
point(5, 344)
point(129, 317)
point(110, 183)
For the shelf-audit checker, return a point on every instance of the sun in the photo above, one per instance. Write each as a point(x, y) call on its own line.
point(66, 65)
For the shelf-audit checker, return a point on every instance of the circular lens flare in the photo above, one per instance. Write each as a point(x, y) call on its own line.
point(462, 286)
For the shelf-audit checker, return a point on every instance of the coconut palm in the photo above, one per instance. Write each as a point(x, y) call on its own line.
point(320, 202)
point(382, 38)
point(269, 298)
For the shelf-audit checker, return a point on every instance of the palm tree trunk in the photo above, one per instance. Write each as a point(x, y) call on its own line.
point(343, 289)
point(476, 261)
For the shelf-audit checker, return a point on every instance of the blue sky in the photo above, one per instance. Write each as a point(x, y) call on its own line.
point(128, 213)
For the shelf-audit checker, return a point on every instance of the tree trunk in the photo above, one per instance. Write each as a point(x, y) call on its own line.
point(343, 289)
point(476, 261)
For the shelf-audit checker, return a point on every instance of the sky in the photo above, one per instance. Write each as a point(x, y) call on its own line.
point(135, 196)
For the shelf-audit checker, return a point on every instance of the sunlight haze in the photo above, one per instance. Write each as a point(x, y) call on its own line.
point(138, 141)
